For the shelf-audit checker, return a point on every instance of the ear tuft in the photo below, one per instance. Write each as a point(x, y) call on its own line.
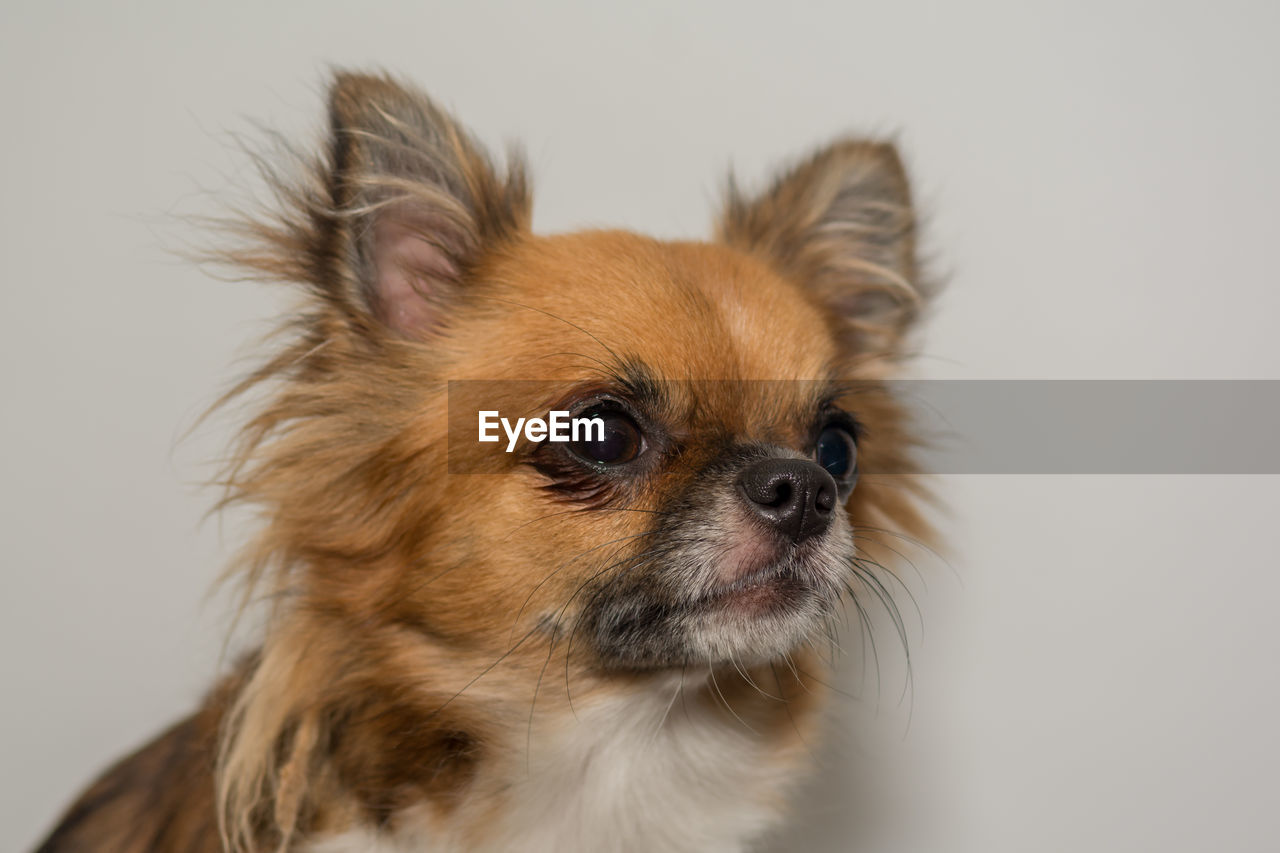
point(417, 201)
point(842, 224)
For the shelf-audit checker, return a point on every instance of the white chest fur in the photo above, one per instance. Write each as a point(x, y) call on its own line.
point(633, 773)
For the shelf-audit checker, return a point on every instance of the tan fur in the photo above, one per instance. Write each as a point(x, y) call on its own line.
point(421, 632)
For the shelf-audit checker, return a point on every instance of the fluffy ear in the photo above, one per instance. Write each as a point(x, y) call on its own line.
point(415, 201)
point(842, 224)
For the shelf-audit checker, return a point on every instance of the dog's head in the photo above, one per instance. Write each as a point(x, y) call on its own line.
point(711, 518)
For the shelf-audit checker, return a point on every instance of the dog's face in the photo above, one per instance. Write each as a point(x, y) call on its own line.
point(706, 522)
point(712, 520)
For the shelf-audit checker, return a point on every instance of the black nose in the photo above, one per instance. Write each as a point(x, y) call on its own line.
point(794, 496)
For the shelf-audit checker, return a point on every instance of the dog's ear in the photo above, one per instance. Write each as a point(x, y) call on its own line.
point(843, 225)
point(414, 203)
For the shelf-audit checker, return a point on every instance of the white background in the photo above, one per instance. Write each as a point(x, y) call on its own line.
point(1102, 186)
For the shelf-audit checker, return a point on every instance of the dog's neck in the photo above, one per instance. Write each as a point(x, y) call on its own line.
point(684, 761)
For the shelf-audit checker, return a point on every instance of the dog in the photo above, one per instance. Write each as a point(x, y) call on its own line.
point(594, 640)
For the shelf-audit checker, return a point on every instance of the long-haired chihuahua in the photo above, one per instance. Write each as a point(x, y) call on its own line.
point(553, 526)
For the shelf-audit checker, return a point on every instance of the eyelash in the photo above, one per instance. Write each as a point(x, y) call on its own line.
point(831, 415)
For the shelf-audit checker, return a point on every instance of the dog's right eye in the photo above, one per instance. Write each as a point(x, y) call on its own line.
point(620, 441)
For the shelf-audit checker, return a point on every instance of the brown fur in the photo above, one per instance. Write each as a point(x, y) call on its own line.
point(416, 613)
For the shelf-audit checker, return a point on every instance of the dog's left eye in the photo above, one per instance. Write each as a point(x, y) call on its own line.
point(836, 451)
point(621, 442)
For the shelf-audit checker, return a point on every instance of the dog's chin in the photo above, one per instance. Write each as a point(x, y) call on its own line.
point(757, 618)
point(760, 617)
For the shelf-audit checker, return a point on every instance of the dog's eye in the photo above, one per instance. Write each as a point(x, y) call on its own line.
point(621, 442)
point(836, 451)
